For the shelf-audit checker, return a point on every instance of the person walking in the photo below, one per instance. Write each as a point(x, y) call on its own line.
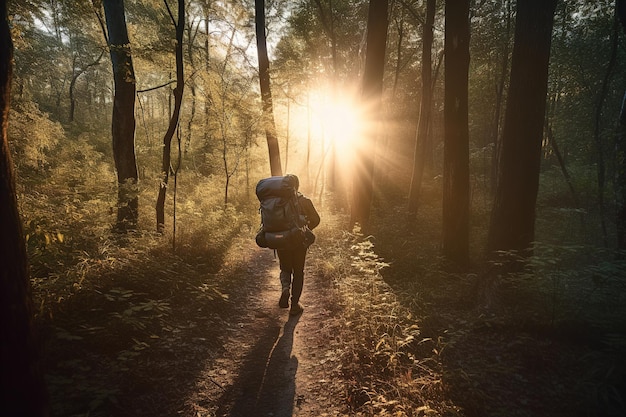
point(292, 260)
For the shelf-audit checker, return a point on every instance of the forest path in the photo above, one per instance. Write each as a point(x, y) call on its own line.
point(275, 364)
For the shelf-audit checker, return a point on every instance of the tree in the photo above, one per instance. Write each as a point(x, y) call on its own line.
point(76, 73)
point(376, 40)
point(602, 95)
point(266, 91)
point(512, 224)
point(419, 158)
point(620, 149)
point(178, 99)
point(22, 389)
point(456, 140)
point(123, 120)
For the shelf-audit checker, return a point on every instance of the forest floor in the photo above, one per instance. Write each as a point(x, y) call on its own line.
point(152, 333)
point(183, 341)
point(275, 364)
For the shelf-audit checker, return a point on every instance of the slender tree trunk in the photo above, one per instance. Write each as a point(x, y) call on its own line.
point(419, 156)
point(71, 91)
point(207, 68)
point(191, 35)
point(123, 119)
point(308, 139)
point(178, 100)
point(22, 388)
point(266, 92)
point(456, 140)
point(600, 147)
point(497, 117)
point(513, 217)
point(190, 122)
point(559, 157)
point(620, 153)
point(287, 133)
point(377, 24)
point(75, 75)
point(620, 178)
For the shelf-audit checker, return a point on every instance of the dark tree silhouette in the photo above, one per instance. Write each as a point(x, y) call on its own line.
point(377, 23)
point(178, 100)
point(419, 157)
point(22, 390)
point(513, 217)
point(620, 150)
point(266, 91)
point(123, 120)
point(456, 141)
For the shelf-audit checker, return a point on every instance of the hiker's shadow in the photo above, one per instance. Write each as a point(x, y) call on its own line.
point(266, 384)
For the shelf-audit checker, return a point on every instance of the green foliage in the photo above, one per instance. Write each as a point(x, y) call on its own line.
point(121, 300)
point(577, 283)
point(32, 136)
point(390, 365)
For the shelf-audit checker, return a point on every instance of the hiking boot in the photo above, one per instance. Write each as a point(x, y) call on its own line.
point(284, 299)
point(296, 309)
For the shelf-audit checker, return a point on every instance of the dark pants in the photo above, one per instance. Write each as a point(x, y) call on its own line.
point(292, 271)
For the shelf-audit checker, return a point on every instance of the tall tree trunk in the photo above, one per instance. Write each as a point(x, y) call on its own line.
point(419, 156)
point(308, 139)
point(497, 117)
point(123, 119)
point(620, 178)
point(557, 152)
point(513, 217)
point(287, 135)
point(76, 73)
point(266, 92)
point(377, 23)
point(206, 7)
point(600, 146)
point(178, 100)
point(620, 151)
point(22, 388)
point(191, 35)
point(456, 138)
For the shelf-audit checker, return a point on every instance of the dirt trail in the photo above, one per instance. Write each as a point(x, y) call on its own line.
point(274, 364)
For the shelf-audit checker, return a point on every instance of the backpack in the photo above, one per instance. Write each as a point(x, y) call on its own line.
point(282, 225)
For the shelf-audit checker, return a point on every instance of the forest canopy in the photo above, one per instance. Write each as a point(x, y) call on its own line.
point(63, 91)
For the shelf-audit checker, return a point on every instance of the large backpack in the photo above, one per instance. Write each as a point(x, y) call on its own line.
point(282, 225)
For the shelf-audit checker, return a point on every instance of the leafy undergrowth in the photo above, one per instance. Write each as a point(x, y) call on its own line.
point(549, 341)
point(132, 338)
point(130, 325)
point(390, 367)
point(127, 322)
point(422, 339)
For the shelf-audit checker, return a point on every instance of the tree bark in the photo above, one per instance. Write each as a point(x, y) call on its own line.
point(123, 119)
point(513, 217)
point(75, 75)
point(456, 138)
point(620, 179)
point(266, 92)
point(22, 388)
point(497, 117)
point(419, 156)
point(620, 151)
point(600, 146)
point(376, 40)
point(169, 134)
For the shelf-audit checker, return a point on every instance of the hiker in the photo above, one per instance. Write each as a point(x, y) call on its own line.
point(292, 260)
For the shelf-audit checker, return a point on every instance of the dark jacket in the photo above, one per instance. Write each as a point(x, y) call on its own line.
point(308, 210)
